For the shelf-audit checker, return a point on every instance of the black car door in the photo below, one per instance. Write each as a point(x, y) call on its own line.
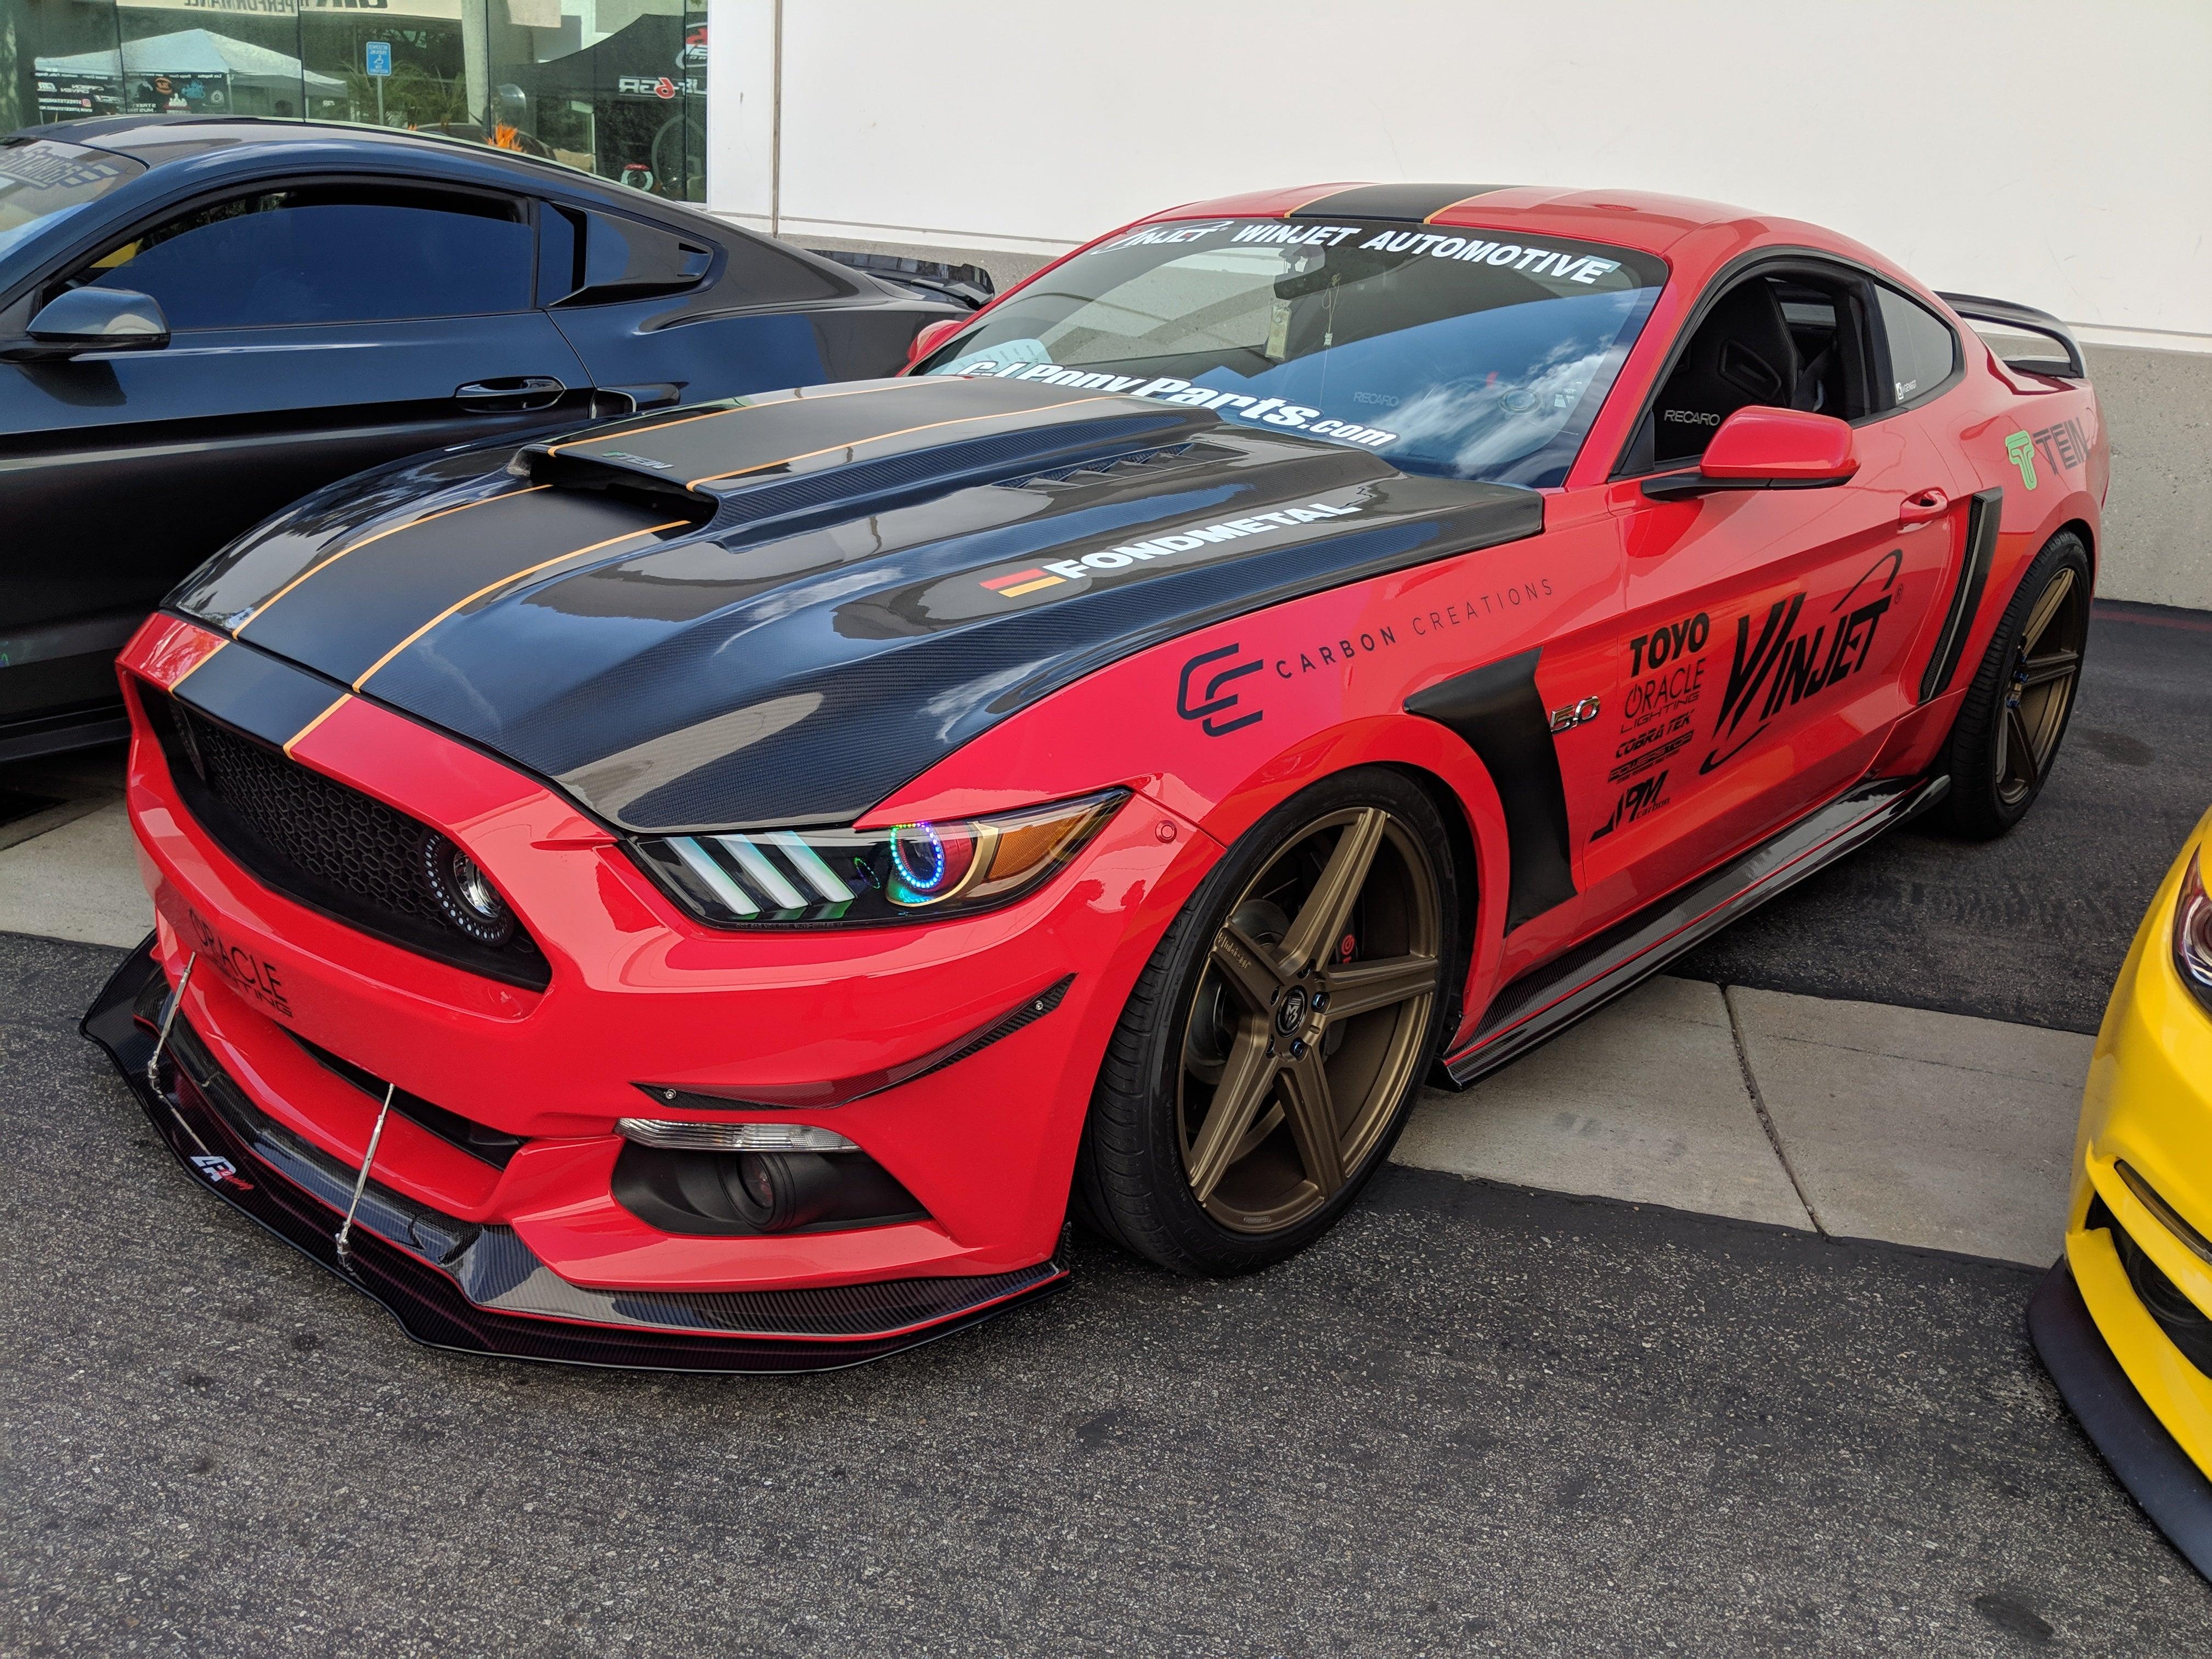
point(317, 329)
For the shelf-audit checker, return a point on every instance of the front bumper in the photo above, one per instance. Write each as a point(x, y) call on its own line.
point(479, 1288)
point(2150, 1462)
point(2135, 1269)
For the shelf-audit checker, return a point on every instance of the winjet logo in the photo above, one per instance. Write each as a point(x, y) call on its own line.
point(1199, 694)
point(1788, 666)
point(1167, 547)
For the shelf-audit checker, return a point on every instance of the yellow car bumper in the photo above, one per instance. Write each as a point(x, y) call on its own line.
point(2124, 1323)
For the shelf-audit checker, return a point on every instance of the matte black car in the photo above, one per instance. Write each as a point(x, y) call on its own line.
point(202, 321)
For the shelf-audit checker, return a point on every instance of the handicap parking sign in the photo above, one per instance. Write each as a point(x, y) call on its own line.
point(379, 56)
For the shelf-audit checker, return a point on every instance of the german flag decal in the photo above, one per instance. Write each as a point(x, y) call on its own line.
point(1017, 583)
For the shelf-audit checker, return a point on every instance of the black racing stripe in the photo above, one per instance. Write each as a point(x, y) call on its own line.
point(820, 427)
point(1982, 515)
point(1499, 714)
point(1413, 202)
point(368, 601)
point(270, 700)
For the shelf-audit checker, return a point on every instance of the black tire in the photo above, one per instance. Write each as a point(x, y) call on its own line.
point(1131, 1180)
point(1989, 793)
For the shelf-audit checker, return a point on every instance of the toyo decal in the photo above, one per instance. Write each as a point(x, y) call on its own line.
point(2019, 450)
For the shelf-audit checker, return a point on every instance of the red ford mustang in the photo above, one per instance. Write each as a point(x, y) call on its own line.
point(716, 891)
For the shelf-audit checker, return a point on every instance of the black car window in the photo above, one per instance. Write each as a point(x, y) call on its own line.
point(1786, 340)
point(341, 254)
point(1924, 352)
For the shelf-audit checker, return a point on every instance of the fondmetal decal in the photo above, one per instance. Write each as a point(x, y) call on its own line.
point(1052, 573)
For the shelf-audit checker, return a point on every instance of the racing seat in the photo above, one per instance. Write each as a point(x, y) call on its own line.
point(1740, 354)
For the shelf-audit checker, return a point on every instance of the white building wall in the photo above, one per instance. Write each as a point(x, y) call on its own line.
point(2055, 152)
point(2058, 152)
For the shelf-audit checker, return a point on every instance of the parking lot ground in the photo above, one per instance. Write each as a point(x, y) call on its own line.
point(2031, 928)
point(1475, 1418)
point(1704, 1391)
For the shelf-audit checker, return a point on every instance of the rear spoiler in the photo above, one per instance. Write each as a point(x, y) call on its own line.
point(968, 285)
point(2026, 319)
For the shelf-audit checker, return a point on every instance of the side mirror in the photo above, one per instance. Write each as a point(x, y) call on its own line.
point(1761, 448)
point(933, 336)
point(91, 319)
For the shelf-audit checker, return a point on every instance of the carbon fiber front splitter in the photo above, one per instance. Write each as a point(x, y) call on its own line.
point(479, 1288)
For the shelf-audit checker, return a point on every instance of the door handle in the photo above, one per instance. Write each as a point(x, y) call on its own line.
point(1926, 507)
point(517, 391)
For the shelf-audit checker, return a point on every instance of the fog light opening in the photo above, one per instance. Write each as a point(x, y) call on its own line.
point(777, 1192)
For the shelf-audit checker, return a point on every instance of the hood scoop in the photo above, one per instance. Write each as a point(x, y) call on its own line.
point(711, 466)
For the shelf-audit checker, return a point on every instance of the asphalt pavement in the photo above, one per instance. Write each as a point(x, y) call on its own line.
point(2031, 927)
point(1475, 1418)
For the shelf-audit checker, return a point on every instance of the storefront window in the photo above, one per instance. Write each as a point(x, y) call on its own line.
point(615, 87)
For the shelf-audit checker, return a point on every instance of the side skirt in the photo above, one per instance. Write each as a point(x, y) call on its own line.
point(1549, 999)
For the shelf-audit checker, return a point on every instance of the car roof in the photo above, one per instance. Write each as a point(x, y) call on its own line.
point(158, 140)
point(1689, 233)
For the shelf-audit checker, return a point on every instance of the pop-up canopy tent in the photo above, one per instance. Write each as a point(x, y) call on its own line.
point(199, 70)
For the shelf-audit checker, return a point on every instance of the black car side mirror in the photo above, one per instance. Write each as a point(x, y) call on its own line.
point(91, 319)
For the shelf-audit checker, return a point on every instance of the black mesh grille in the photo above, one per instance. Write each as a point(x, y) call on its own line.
point(313, 839)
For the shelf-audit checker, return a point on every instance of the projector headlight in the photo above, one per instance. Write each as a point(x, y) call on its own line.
point(463, 894)
point(872, 877)
point(2192, 931)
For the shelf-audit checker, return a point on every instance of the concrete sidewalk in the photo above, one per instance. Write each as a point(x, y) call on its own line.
point(1846, 1118)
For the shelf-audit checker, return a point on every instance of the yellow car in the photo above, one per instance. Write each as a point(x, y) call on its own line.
point(2124, 1321)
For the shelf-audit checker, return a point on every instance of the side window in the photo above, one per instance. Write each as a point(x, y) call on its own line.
point(1924, 352)
point(1793, 340)
point(330, 254)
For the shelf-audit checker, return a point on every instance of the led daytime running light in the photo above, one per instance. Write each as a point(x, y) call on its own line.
point(858, 877)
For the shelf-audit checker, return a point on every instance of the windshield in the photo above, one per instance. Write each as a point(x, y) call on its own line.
point(43, 180)
point(1466, 353)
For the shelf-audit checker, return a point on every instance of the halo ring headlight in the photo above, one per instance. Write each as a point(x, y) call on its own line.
point(869, 878)
point(463, 893)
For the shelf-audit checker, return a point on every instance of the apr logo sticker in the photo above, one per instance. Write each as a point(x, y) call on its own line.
point(220, 1170)
point(2019, 450)
point(1201, 694)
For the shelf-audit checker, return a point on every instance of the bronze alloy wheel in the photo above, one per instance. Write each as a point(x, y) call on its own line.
point(1310, 1019)
point(2045, 667)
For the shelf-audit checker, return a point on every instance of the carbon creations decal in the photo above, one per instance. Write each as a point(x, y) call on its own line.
point(1200, 695)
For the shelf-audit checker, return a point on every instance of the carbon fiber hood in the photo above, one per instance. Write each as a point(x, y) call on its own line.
point(778, 609)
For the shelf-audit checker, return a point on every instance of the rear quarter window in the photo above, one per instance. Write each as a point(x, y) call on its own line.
point(1924, 352)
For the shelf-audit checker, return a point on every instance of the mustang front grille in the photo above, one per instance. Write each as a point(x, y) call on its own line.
point(330, 846)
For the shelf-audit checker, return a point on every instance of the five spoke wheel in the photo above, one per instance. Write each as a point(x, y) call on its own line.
point(2045, 666)
point(1310, 1019)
